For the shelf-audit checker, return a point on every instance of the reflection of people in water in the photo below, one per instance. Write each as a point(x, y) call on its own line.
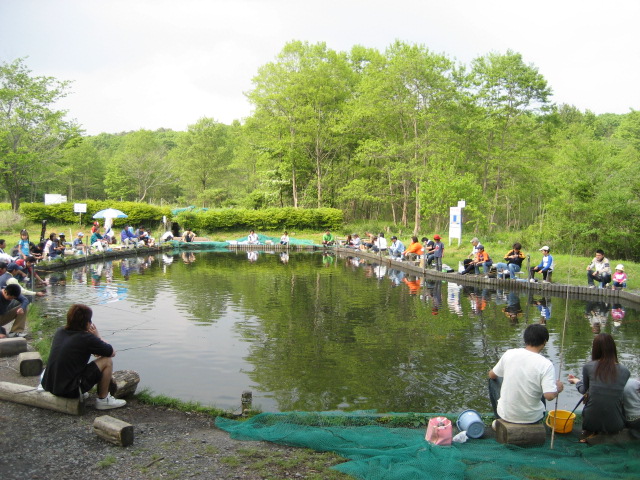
point(596, 313)
point(327, 259)
point(413, 283)
point(380, 271)
point(617, 314)
point(453, 298)
point(434, 292)
point(252, 256)
point(513, 310)
point(396, 277)
point(284, 257)
point(544, 307)
point(478, 300)
point(189, 257)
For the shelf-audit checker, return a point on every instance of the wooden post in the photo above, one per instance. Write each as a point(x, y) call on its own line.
point(26, 395)
point(246, 400)
point(30, 364)
point(520, 434)
point(126, 382)
point(12, 346)
point(113, 430)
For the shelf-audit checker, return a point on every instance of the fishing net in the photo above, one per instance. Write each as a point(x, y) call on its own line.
point(390, 447)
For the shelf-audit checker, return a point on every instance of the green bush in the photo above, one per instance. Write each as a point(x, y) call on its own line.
point(138, 213)
point(268, 219)
point(5, 206)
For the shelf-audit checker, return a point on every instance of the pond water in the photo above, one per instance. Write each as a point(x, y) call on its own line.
point(307, 331)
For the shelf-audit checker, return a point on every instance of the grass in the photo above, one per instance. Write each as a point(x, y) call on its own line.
point(107, 461)
point(275, 464)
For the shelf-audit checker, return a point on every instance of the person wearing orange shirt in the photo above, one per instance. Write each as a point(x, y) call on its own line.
point(482, 260)
point(414, 250)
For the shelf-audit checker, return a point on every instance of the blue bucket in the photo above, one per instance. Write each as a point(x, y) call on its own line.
point(470, 421)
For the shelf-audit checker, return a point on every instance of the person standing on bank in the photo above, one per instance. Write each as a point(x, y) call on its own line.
point(522, 378)
point(438, 252)
point(69, 373)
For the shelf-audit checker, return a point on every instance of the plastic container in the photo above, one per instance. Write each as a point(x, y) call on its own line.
point(563, 420)
point(470, 421)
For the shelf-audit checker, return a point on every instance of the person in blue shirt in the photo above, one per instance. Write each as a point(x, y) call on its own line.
point(545, 266)
point(396, 248)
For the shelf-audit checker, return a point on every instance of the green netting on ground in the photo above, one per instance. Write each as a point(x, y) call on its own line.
point(276, 240)
point(207, 244)
point(378, 450)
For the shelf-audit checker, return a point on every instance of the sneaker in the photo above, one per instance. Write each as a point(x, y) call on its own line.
point(532, 280)
point(17, 334)
point(545, 281)
point(108, 402)
point(592, 286)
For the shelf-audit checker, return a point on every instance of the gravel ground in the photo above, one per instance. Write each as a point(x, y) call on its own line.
point(42, 444)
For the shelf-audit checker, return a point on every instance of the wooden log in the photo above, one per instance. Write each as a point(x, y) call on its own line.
point(520, 434)
point(12, 346)
point(126, 382)
point(113, 430)
point(27, 395)
point(30, 364)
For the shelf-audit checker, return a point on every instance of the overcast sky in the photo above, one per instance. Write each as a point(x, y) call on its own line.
point(166, 63)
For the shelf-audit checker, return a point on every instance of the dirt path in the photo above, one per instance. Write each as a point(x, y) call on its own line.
point(42, 444)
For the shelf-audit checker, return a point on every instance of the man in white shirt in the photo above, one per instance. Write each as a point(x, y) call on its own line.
point(522, 378)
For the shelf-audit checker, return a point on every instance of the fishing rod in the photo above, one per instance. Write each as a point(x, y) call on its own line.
point(564, 329)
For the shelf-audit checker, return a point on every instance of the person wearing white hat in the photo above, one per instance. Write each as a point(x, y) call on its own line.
point(545, 266)
point(619, 278)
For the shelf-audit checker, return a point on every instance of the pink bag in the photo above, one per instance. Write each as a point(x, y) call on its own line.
point(439, 431)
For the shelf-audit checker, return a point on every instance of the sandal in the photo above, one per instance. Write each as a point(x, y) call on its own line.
point(586, 436)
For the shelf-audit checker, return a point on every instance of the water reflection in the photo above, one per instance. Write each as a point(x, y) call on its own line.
point(318, 332)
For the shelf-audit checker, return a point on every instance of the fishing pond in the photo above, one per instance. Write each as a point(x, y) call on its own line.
point(314, 332)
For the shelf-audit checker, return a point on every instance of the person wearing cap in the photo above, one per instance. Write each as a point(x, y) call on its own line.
point(599, 270)
point(13, 308)
point(77, 245)
point(619, 278)
point(438, 252)
point(514, 258)
point(482, 260)
point(396, 248)
point(545, 266)
point(4, 274)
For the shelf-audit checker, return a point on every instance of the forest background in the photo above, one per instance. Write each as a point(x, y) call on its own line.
point(391, 138)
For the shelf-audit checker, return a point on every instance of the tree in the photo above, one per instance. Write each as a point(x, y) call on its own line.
point(31, 130)
point(202, 159)
point(138, 167)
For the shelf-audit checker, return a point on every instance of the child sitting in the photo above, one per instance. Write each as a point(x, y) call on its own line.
point(619, 279)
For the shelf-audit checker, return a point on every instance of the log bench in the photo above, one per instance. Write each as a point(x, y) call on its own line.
point(12, 346)
point(30, 364)
point(26, 395)
point(113, 430)
point(520, 434)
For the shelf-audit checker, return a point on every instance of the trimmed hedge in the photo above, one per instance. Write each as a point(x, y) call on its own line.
point(138, 213)
point(268, 219)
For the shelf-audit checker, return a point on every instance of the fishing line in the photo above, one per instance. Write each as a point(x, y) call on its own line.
point(564, 329)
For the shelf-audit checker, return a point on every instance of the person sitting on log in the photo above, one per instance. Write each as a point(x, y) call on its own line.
point(69, 373)
point(523, 379)
point(13, 307)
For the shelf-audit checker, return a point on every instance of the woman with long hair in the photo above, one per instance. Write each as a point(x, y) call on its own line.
point(603, 380)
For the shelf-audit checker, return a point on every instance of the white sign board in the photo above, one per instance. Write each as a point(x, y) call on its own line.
point(54, 198)
point(455, 223)
point(79, 208)
point(462, 203)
